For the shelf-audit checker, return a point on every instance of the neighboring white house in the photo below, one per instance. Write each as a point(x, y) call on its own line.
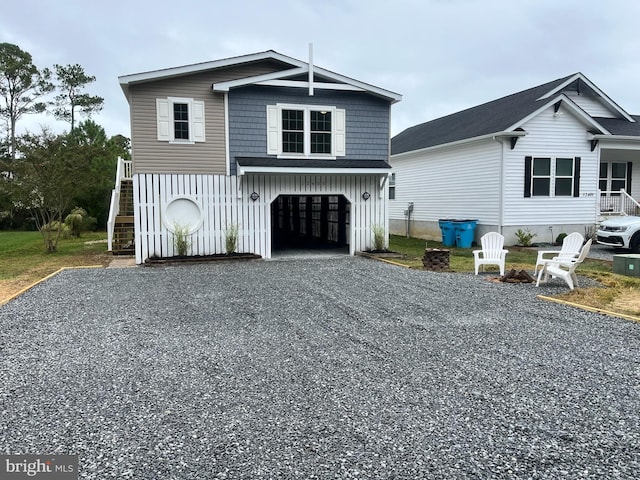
point(551, 159)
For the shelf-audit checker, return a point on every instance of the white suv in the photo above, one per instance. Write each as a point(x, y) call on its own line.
point(620, 232)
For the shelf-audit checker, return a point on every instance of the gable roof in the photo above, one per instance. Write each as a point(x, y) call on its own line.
point(291, 68)
point(506, 114)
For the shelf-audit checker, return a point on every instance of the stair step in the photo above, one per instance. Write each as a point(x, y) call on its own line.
point(124, 234)
point(126, 197)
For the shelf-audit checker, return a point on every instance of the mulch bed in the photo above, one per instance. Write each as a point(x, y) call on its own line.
point(201, 258)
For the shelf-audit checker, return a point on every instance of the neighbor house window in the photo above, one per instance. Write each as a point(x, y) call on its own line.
point(392, 187)
point(180, 120)
point(564, 177)
point(541, 177)
point(305, 131)
point(552, 177)
point(614, 176)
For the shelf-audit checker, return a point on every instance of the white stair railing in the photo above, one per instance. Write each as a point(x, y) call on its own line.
point(124, 171)
point(618, 202)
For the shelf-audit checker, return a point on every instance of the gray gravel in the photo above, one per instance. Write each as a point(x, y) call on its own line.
point(333, 368)
point(603, 252)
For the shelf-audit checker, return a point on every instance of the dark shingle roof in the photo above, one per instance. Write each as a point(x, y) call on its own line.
point(492, 117)
point(309, 163)
point(619, 126)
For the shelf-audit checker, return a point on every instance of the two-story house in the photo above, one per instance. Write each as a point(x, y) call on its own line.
point(290, 154)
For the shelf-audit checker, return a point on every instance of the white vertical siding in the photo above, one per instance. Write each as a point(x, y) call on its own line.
point(456, 182)
point(551, 136)
point(224, 201)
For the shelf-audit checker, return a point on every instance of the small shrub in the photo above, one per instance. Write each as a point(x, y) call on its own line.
point(524, 237)
point(79, 221)
point(590, 231)
point(560, 238)
point(181, 239)
point(56, 226)
point(378, 237)
point(74, 222)
point(231, 239)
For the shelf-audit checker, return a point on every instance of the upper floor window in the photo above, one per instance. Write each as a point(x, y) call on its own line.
point(552, 177)
point(292, 131)
point(320, 131)
point(305, 131)
point(180, 120)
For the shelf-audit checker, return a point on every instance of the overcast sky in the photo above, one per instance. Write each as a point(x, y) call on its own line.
point(441, 55)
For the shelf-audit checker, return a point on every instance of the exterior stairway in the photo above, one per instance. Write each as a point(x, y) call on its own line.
point(120, 226)
point(123, 231)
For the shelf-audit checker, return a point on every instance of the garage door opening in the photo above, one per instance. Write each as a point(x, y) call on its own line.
point(318, 222)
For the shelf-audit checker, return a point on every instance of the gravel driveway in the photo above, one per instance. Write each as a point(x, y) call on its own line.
point(332, 368)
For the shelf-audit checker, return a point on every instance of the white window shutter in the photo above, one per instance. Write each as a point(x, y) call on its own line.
point(340, 129)
point(197, 120)
point(163, 118)
point(273, 135)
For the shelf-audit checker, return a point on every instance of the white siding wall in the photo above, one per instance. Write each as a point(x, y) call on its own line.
point(591, 105)
point(457, 182)
point(225, 201)
point(551, 136)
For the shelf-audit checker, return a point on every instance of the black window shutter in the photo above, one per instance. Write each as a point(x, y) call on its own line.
point(576, 177)
point(527, 176)
point(628, 178)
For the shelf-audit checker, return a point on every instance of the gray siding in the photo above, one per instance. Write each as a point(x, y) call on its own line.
point(153, 156)
point(367, 120)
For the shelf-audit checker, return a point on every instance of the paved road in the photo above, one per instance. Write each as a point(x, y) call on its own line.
point(333, 368)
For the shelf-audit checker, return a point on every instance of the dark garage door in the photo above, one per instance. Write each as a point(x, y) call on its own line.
point(318, 221)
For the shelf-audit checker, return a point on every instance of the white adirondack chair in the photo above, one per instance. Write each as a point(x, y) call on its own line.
point(564, 268)
point(492, 252)
point(571, 246)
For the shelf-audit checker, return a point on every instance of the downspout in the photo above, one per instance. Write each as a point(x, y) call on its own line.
point(226, 133)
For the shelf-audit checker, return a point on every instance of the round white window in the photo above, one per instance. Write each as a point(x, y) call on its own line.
point(182, 212)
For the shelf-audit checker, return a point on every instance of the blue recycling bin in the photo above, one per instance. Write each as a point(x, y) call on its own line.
point(448, 232)
point(465, 231)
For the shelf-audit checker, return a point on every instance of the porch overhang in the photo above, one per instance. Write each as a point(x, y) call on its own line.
point(616, 142)
point(271, 165)
point(617, 138)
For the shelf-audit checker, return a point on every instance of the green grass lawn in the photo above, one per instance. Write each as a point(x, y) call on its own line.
point(23, 259)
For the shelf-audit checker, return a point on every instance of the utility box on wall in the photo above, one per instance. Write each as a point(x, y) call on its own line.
point(628, 265)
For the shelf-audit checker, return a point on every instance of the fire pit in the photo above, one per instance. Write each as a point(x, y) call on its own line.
point(516, 277)
point(436, 259)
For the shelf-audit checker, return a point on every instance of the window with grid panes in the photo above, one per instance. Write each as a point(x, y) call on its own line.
point(293, 131)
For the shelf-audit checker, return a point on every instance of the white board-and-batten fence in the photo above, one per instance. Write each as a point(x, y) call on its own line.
point(225, 201)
